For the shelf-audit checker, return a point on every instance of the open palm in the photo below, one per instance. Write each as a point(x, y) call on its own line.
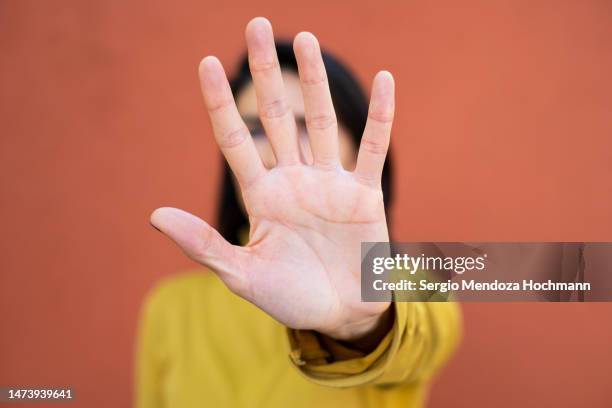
point(307, 221)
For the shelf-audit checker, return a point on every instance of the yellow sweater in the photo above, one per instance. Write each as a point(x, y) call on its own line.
point(202, 346)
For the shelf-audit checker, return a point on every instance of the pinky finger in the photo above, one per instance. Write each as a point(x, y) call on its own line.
point(377, 133)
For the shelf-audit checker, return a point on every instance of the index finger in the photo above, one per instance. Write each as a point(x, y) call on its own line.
point(231, 133)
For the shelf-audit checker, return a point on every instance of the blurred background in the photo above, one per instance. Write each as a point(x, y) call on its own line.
point(503, 132)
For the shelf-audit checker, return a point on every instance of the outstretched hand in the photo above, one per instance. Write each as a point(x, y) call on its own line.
point(307, 221)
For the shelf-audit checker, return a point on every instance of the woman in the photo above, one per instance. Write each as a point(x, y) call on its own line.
point(294, 332)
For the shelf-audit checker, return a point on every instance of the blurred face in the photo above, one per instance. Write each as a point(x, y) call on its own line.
point(247, 106)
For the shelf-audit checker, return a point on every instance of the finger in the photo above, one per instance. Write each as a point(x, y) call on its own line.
point(377, 133)
point(231, 133)
point(203, 244)
point(274, 110)
point(318, 106)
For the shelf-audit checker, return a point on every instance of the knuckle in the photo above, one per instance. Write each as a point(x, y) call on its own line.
point(233, 138)
point(237, 277)
point(314, 81)
point(380, 116)
point(326, 162)
point(274, 109)
point(374, 146)
point(321, 122)
point(215, 107)
point(264, 67)
point(200, 249)
point(369, 180)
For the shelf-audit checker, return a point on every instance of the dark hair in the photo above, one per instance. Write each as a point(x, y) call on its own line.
point(351, 106)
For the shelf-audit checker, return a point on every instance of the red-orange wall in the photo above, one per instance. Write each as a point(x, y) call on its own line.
point(503, 132)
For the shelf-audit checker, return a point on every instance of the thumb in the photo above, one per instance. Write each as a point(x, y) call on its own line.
point(203, 244)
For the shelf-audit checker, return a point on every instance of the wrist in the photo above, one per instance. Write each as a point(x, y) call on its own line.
point(364, 332)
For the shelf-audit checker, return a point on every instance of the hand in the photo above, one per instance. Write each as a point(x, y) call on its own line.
point(307, 221)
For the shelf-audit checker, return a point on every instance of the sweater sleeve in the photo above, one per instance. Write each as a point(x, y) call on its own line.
point(422, 338)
